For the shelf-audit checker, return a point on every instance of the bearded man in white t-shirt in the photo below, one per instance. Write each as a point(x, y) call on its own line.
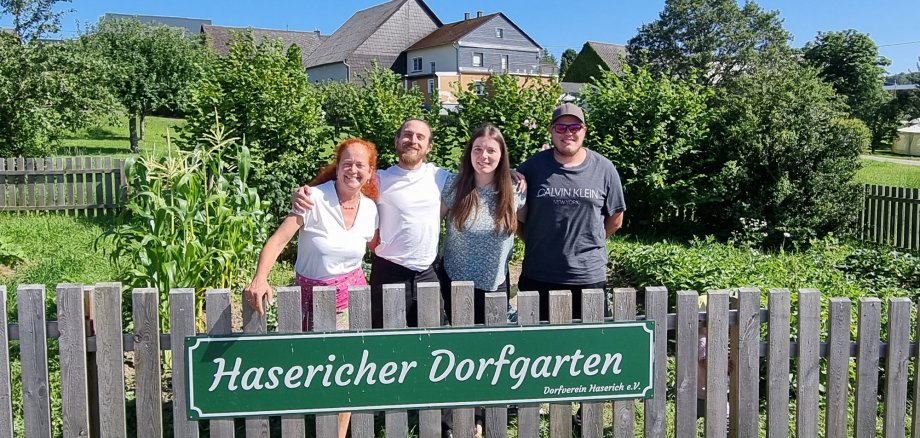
point(409, 209)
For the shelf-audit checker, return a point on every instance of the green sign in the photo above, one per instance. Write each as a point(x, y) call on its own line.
point(282, 374)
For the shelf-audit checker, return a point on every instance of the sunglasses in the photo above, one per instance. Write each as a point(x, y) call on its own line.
point(560, 128)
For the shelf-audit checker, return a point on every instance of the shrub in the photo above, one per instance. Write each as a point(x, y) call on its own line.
point(191, 220)
point(779, 153)
point(262, 94)
point(522, 110)
point(652, 130)
point(374, 110)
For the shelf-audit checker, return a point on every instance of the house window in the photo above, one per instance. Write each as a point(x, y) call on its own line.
point(504, 62)
point(432, 67)
point(499, 32)
point(479, 88)
point(431, 86)
point(477, 59)
point(416, 64)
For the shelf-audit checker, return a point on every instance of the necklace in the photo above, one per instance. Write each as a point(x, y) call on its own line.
point(353, 206)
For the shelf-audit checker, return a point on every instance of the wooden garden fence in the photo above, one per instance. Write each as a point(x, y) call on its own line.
point(93, 380)
point(81, 185)
point(891, 216)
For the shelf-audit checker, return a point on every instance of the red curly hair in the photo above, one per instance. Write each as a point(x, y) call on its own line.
point(328, 173)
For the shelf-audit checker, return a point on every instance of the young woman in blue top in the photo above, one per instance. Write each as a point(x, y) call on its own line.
point(480, 205)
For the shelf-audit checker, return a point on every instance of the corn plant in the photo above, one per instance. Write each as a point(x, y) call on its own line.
point(190, 220)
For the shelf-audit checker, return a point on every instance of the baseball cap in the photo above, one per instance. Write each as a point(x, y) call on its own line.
point(568, 109)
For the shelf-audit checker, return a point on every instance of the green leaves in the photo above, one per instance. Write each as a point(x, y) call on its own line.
point(264, 96)
point(652, 129)
point(191, 220)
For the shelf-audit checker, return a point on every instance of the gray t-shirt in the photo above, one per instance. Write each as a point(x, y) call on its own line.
point(476, 253)
point(564, 235)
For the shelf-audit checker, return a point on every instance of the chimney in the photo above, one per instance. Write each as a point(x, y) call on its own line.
point(478, 14)
point(466, 16)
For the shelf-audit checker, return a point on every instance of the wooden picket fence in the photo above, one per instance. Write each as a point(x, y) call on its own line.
point(81, 185)
point(93, 382)
point(891, 216)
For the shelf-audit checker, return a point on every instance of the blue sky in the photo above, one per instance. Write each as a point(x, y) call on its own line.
point(555, 25)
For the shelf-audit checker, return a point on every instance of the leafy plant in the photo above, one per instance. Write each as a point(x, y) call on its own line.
point(191, 220)
point(373, 110)
point(652, 129)
point(262, 94)
point(521, 110)
point(10, 253)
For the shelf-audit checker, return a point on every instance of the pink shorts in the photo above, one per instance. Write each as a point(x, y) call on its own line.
point(341, 283)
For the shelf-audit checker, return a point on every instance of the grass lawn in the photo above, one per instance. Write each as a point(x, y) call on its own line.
point(889, 174)
point(57, 249)
point(113, 140)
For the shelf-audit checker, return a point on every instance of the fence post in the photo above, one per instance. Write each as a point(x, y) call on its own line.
point(394, 317)
point(461, 294)
point(809, 365)
point(253, 323)
point(429, 315)
point(290, 320)
point(717, 363)
point(72, 326)
point(593, 302)
point(146, 305)
point(323, 321)
point(359, 313)
point(624, 412)
point(687, 363)
point(778, 364)
point(744, 396)
point(110, 356)
point(896, 366)
point(656, 309)
point(867, 339)
point(220, 317)
point(181, 325)
point(838, 367)
point(528, 314)
point(33, 353)
point(6, 402)
point(560, 414)
point(496, 309)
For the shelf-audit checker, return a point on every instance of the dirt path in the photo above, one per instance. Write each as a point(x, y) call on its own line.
point(892, 160)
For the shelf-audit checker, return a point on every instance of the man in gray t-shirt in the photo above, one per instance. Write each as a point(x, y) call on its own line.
point(574, 203)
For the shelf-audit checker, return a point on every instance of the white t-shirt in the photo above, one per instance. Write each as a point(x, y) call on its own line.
point(324, 247)
point(410, 215)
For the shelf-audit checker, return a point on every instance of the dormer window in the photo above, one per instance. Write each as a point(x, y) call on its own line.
point(499, 32)
point(416, 64)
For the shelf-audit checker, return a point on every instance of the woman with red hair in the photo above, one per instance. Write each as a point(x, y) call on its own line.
point(333, 236)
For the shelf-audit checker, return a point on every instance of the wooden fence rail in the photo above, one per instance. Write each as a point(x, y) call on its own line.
point(734, 350)
point(891, 216)
point(74, 184)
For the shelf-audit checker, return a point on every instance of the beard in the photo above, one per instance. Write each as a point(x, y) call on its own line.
point(411, 158)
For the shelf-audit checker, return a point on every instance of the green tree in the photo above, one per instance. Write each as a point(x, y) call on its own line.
point(782, 152)
point(263, 96)
point(849, 60)
point(151, 66)
point(547, 57)
point(709, 40)
point(373, 110)
point(653, 131)
point(47, 90)
point(33, 19)
point(522, 111)
point(568, 56)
